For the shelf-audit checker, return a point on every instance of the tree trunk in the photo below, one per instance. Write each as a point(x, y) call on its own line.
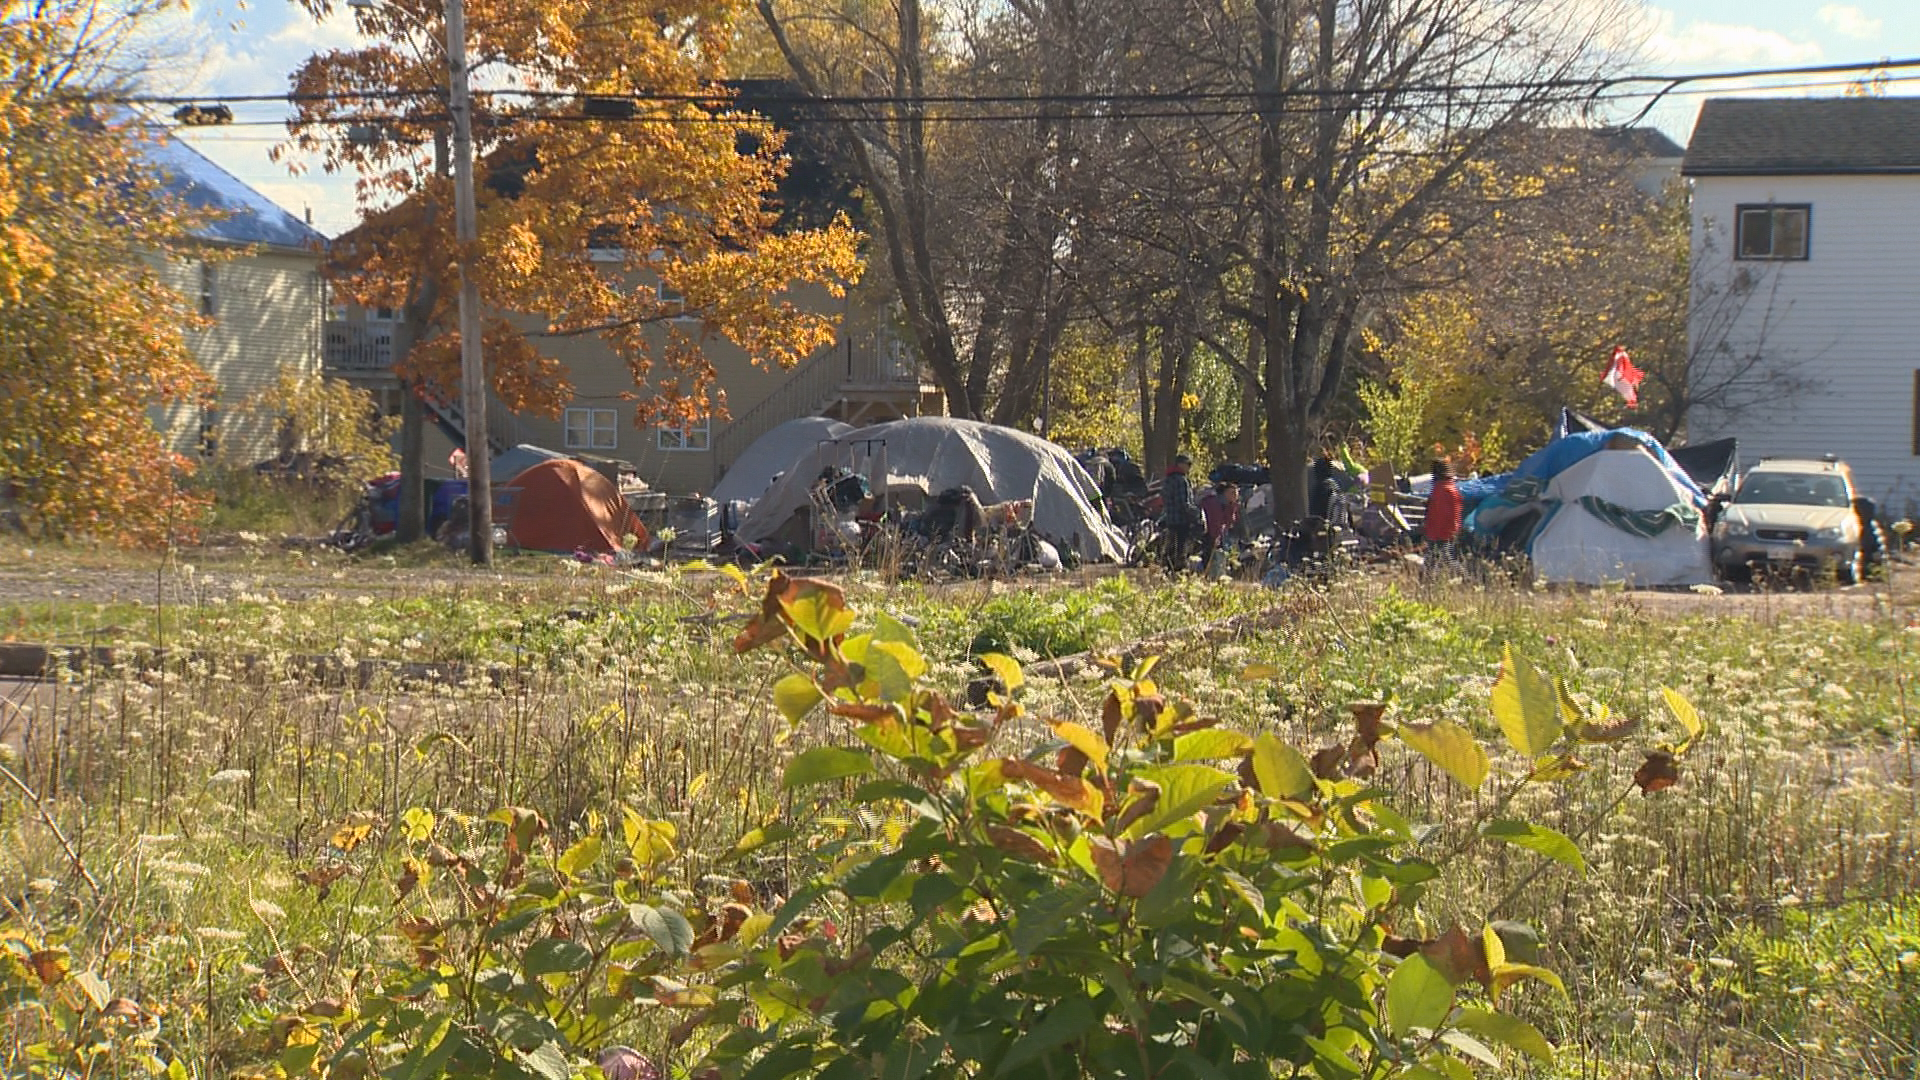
point(412, 524)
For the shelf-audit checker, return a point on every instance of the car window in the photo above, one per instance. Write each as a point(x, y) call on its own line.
point(1794, 489)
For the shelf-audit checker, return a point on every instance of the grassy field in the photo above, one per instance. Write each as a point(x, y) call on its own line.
point(219, 849)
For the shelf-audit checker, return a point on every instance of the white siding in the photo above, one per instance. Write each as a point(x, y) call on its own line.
point(1847, 318)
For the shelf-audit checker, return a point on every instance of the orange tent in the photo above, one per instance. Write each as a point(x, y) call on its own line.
point(562, 505)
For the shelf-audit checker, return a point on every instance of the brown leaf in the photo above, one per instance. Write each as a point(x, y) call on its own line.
point(741, 891)
point(1618, 729)
point(1132, 868)
point(1459, 956)
point(1069, 790)
point(1225, 836)
point(1145, 795)
point(1329, 762)
point(123, 1009)
point(969, 737)
point(1070, 761)
point(857, 710)
point(1402, 947)
point(50, 966)
point(1110, 716)
point(731, 916)
point(1366, 718)
point(1021, 844)
point(1659, 772)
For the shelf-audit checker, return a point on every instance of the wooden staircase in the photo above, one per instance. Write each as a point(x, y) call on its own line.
point(864, 380)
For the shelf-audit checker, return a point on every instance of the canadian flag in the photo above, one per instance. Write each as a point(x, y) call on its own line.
point(1624, 377)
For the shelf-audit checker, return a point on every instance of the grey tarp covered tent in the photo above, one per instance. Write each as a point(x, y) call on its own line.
point(773, 454)
point(934, 453)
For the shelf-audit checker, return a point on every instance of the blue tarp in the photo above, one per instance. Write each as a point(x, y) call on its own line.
point(1555, 458)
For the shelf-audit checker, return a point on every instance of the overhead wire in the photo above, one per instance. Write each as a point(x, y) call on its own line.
point(746, 110)
point(1596, 87)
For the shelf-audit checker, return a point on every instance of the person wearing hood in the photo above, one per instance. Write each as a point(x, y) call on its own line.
point(1178, 513)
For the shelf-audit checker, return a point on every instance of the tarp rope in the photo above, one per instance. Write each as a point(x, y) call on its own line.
point(1647, 523)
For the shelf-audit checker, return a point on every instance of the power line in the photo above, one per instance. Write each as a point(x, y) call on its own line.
point(513, 118)
point(1595, 85)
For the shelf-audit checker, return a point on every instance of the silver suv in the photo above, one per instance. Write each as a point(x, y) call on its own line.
point(1790, 513)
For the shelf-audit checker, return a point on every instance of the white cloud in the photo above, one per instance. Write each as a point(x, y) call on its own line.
point(1702, 45)
point(1849, 21)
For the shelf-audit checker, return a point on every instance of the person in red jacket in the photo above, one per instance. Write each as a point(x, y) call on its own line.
point(1442, 527)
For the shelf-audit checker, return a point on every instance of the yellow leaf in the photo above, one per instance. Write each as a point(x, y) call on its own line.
point(1684, 712)
point(1085, 740)
point(1525, 705)
point(1452, 748)
point(1279, 768)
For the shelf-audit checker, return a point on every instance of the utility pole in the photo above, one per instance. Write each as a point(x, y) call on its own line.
point(473, 366)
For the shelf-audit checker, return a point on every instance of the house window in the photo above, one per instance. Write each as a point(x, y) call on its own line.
point(1772, 232)
point(209, 289)
point(382, 314)
point(592, 429)
point(670, 296)
point(697, 436)
point(209, 430)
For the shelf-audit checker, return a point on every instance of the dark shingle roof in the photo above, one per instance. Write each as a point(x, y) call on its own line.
point(1640, 142)
point(1805, 136)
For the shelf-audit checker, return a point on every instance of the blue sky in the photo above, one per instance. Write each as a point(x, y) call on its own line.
point(236, 47)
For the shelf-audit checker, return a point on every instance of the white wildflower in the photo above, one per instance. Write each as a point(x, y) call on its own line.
point(231, 776)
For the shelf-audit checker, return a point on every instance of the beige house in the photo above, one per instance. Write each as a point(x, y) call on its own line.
point(255, 277)
point(866, 376)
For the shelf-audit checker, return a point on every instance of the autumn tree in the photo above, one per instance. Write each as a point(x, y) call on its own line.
point(1351, 169)
point(976, 210)
point(620, 195)
point(91, 336)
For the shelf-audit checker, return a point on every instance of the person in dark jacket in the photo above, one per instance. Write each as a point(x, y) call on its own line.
point(1321, 489)
point(1178, 514)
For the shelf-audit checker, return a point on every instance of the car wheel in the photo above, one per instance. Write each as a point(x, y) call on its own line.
point(1738, 575)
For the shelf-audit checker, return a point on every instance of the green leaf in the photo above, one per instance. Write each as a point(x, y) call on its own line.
point(1067, 1020)
point(1281, 771)
point(1418, 996)
point(822, 764)
point(1005, 668)
point(1209, 744)
point(1684, 712)
point(755, 839)
point(895, 665)
point(1184, 789)
point(548, 1062)
point(819, 613)
point(1452, 748)
point(1507, 1030)
point(417, 824)
point(888, 628)
point(1538, 838)
point(1525, 705)
point(1038, 920)
point(795, 695)
point(1471, 1047)
point(556, 956)
point(582, 855)
point(668, 928)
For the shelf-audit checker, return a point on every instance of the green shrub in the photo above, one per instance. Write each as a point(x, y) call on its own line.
point(1846, 980)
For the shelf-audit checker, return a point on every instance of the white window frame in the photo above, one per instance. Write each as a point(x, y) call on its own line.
point(383, 315)
point(209, 290)
point(694, 438)
point(591, 428)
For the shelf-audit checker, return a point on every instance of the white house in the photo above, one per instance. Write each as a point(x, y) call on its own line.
point(1805, 315)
